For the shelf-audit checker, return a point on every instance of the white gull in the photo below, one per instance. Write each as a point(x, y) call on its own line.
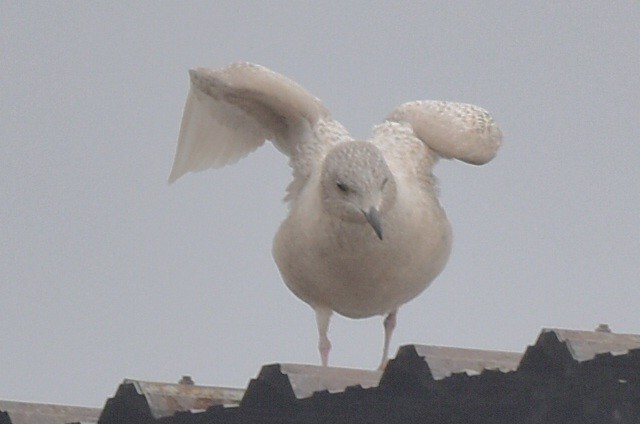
point(365, 232)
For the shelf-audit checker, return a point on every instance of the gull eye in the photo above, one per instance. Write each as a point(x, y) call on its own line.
point(342, 186)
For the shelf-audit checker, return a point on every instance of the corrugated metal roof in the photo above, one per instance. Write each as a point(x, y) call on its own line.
point(42, 413)
point(307, 379)
point(165, 399)
point(439, 384)
point(444, 361)
point(585, 345)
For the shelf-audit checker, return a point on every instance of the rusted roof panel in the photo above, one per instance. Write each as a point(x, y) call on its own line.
point(585, 345)
point(307, 379)
point(40, 413)
point(444, 361)
point(165, 399)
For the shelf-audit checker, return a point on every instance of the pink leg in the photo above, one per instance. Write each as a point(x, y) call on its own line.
point(323, 315)
point(389, 326)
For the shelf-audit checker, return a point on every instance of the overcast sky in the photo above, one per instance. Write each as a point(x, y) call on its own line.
point(107, 272)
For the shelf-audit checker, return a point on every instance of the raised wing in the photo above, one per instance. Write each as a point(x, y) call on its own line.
point(452, 130)
point(232, 111)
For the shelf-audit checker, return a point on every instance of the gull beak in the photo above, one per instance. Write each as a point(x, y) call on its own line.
point(373, 218)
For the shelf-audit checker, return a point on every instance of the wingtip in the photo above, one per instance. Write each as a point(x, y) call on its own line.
point(174, 176)
point(490, 147)
point(198, 76)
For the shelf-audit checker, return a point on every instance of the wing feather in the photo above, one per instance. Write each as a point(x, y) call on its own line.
point(453, 130)
point(232, 111)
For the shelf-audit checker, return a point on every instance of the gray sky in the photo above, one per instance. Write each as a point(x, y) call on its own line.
point(107, 272)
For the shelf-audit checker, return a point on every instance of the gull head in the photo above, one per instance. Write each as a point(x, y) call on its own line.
point(357, 185)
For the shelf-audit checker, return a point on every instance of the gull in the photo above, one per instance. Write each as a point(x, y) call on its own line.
point(365, 232)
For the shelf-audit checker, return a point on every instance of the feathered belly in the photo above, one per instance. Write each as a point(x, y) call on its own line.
point(357, 275)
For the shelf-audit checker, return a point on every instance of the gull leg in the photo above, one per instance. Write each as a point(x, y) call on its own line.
point(389, 326)
point(323, 315)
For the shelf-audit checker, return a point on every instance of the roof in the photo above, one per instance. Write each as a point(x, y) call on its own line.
point(444, 361)
point(577, 377)
point(42, 413)
point(165, 399)
point(582, 345)
point(308, 379)
point(566, 376)
point(585, 345)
